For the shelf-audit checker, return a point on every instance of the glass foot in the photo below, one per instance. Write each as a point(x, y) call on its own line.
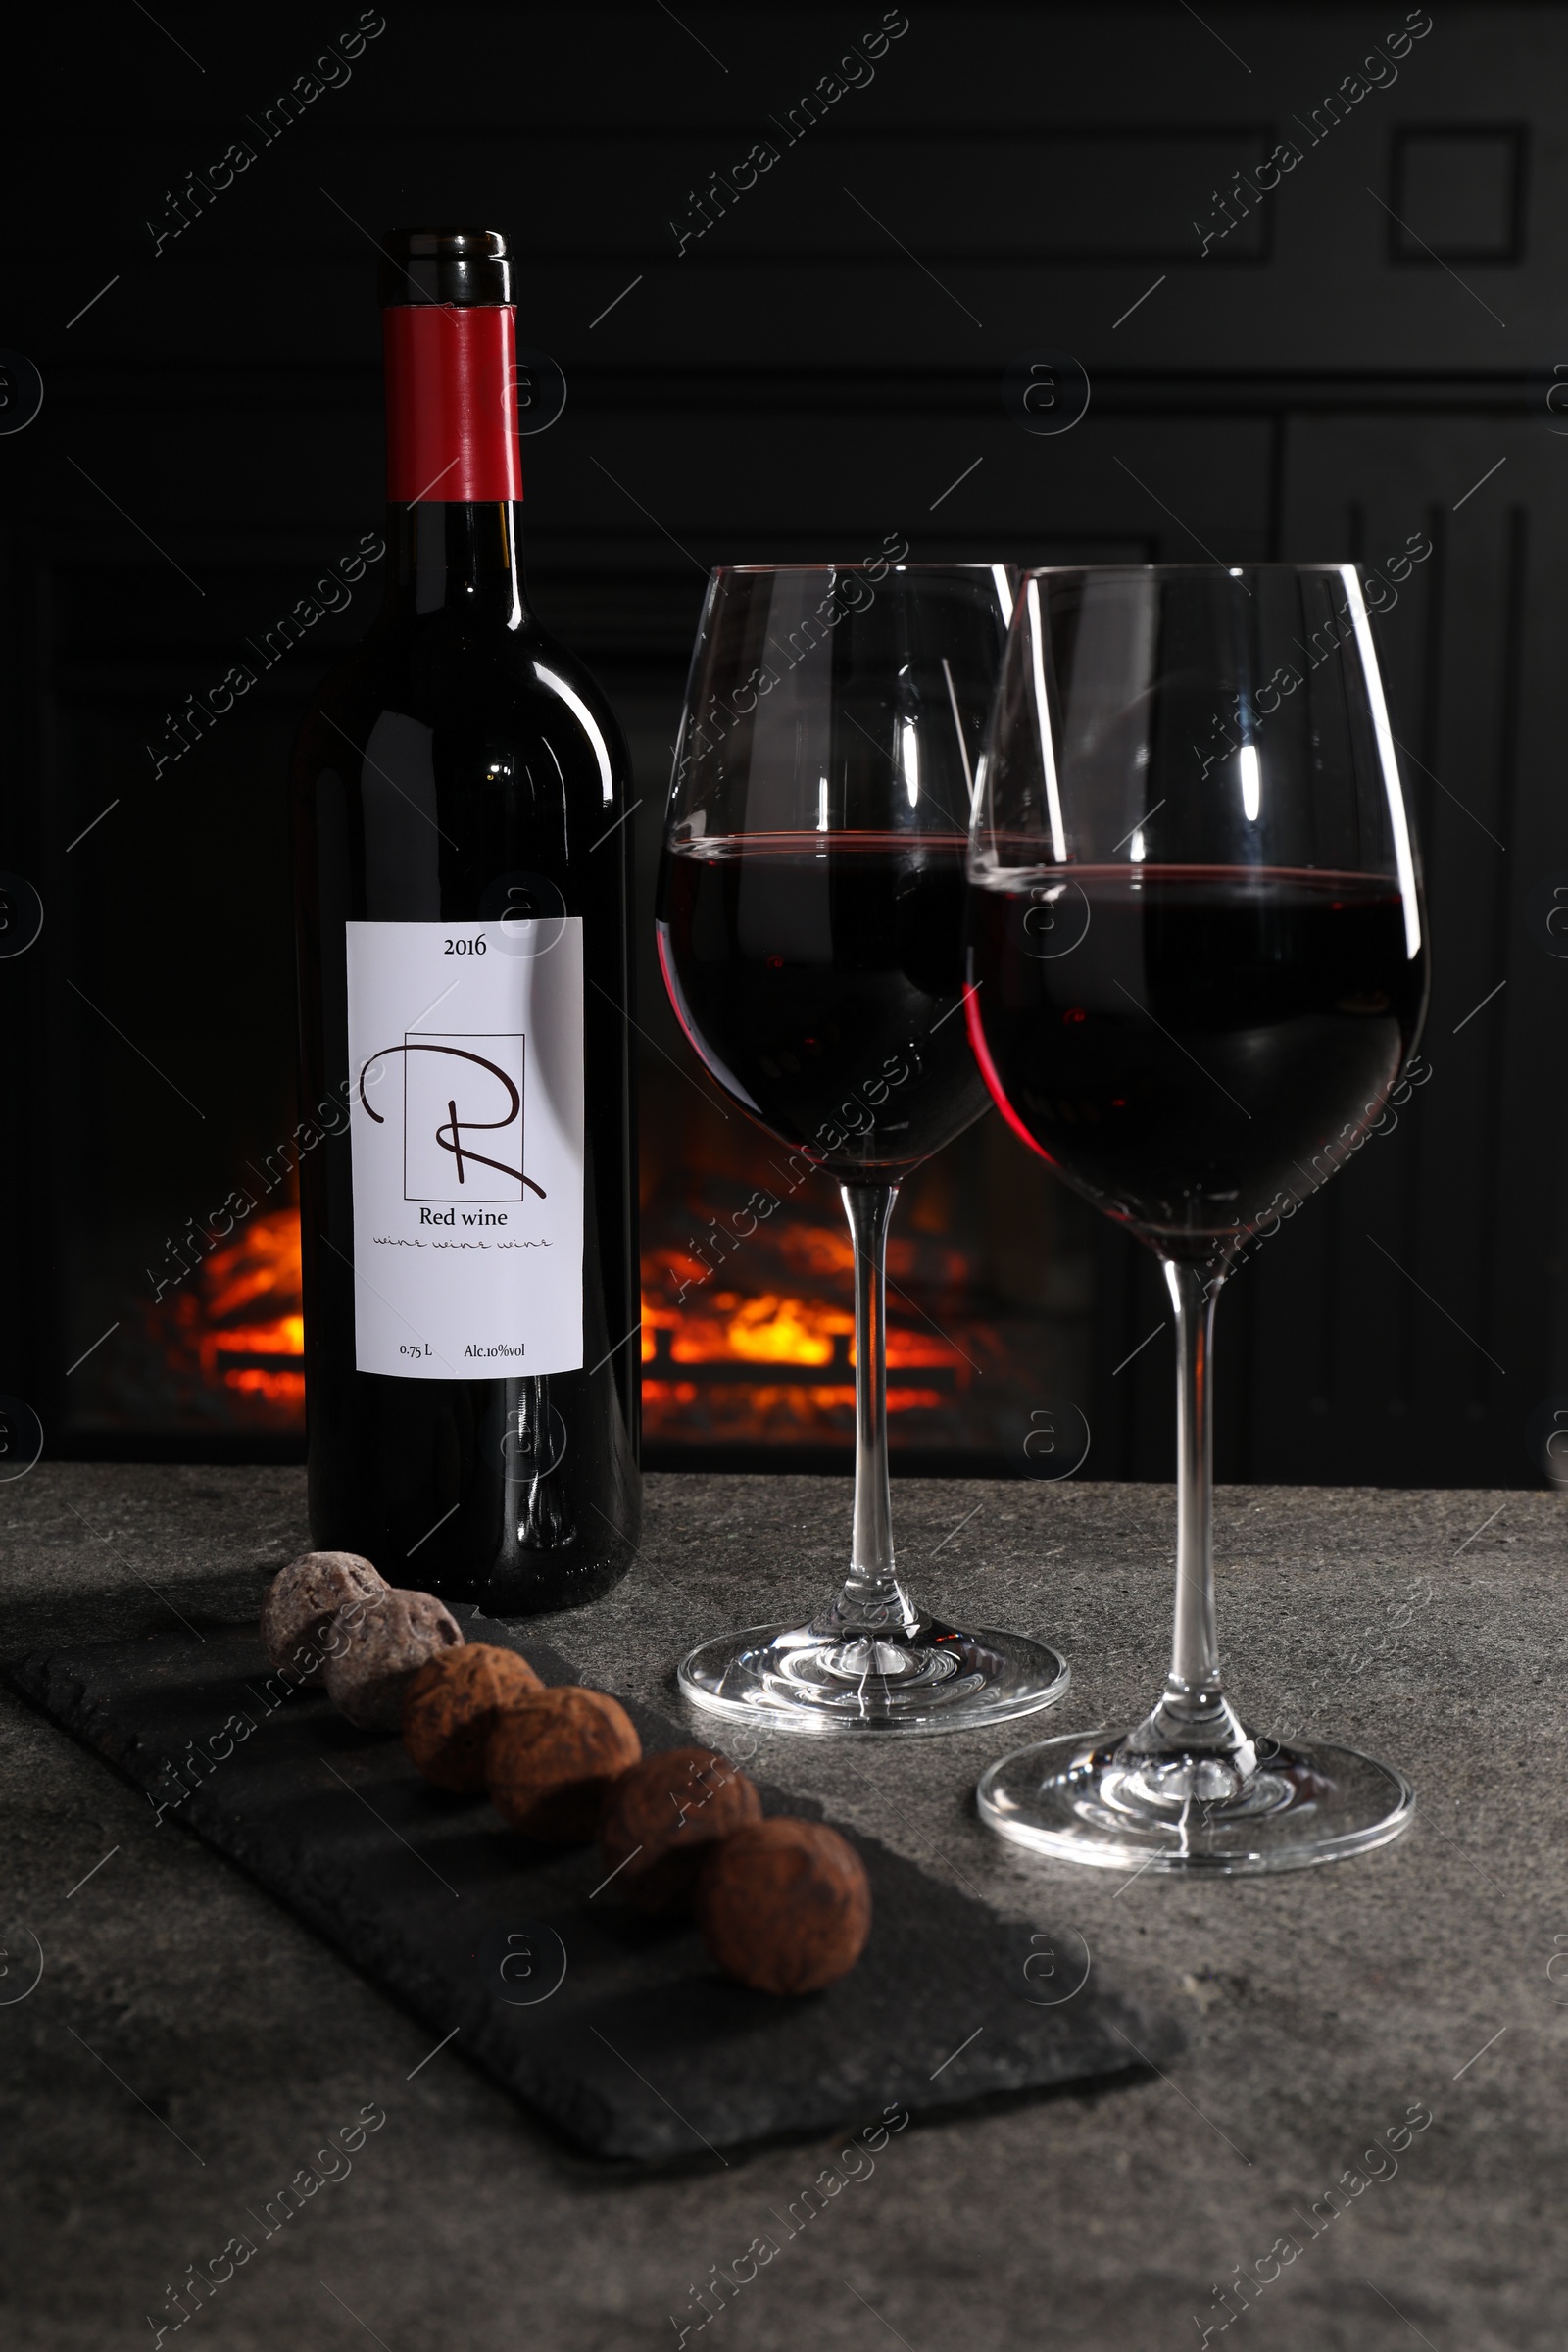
point(931, 1679)
point(1089, 1797)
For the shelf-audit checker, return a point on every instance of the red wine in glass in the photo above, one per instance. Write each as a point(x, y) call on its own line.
point(1219, 1039)
point(820, 977)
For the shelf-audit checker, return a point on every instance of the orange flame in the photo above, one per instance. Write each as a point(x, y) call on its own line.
point(245, 1303)
point(703, 1336)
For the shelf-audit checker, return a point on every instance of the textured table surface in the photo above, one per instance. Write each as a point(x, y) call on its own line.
point(189, 2047)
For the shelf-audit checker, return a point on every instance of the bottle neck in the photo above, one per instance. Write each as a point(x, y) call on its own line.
point(458, 556)
point(454, 469)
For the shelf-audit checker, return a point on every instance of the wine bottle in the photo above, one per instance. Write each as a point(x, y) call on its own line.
point(471, 1333)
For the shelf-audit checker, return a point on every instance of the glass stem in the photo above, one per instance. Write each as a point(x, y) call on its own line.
point(1194, 1714)
point(1194, 1682)
point(872, 1599)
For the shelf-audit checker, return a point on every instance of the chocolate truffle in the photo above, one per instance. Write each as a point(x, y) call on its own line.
point(663, 1814)
point(304, 1594)
point(373, 1650)
point(549, 1761)
point(450, 1705)
point(784, 1905)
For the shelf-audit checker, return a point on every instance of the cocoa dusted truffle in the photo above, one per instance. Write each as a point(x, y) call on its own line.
point(373, 1650)
point(784, 1905)
point(310, 1589)
point(450, 1705)
point(549, 1761)
point(661, 1817)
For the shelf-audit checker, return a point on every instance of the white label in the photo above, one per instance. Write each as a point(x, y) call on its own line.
point(466, 1063)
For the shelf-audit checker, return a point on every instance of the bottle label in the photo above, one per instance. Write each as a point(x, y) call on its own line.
point(465, 1059)
point(451, 403)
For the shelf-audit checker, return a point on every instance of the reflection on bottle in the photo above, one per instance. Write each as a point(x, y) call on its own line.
point(533, 1448)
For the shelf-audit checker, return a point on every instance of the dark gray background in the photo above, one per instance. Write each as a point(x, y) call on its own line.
point(1323, 384)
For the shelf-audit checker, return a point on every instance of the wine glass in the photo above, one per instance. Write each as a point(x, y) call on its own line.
point(811, 934)
point(1196, 964)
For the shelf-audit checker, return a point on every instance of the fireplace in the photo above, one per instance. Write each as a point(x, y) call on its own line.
point(220, 1354)
point(748, 1320)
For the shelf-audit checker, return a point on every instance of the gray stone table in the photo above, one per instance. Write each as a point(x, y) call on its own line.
point(189, 2046)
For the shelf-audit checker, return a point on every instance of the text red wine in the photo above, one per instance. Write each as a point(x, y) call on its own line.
point(1185, 1044)
point(820, 976)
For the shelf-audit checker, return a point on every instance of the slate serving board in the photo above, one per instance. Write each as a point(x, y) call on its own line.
point(617, 2029)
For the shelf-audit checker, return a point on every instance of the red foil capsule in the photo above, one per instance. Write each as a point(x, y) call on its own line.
point(451, 403)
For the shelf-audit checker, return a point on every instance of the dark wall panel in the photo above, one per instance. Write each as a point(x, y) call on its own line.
point(1350, 364)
